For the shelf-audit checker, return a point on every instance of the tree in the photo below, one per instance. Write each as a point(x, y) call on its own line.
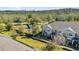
point(1, 19)
point(36, 29)
point(21, 31)
point(52, 47)
point(59, 40)
point(9, 26)
point(14, 34)
point(76, 18)
point(37, 19)
point(17, 20)
point(29, 16)
point(49, 18)
point(1, 28)
point(49, 47)
point(70, 17)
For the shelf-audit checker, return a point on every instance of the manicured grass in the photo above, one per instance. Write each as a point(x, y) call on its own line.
point(7, 33)
point(34, 43)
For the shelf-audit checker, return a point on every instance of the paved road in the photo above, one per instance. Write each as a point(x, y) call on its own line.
point(8, 44)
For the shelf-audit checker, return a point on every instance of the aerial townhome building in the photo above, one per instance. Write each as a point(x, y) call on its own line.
point(69, 30)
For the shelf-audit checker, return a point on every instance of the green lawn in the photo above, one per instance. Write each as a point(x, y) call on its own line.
point(7, 33)
point(34, 43)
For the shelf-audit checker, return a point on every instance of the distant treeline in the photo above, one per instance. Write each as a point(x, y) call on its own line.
point(67, 14)
point(57, 11)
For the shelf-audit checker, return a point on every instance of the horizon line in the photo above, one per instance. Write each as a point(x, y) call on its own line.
point(33, 8)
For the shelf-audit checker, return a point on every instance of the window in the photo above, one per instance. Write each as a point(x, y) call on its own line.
point(70, 34)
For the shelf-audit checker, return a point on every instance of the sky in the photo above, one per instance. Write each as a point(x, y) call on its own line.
point(28, 8)
point(31, 8)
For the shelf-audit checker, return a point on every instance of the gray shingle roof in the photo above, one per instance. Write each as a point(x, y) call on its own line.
point(64, 25)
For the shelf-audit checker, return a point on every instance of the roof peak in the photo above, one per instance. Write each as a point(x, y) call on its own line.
point(69, 28)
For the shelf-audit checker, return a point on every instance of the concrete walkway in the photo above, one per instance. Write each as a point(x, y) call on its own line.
point(8, 44)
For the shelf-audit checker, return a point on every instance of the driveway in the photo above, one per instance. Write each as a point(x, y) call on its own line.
point(8, 44)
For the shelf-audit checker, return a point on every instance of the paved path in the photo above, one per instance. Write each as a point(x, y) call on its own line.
point(8, 44)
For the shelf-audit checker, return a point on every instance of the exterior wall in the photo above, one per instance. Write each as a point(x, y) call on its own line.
point(69, 34)
point(47, 31)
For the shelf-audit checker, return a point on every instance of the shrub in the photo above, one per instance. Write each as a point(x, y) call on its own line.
point(1, 28)
point(8, 26)
point(14, 34)
point(36, 29)
point(21, 31)
point(52, 47)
